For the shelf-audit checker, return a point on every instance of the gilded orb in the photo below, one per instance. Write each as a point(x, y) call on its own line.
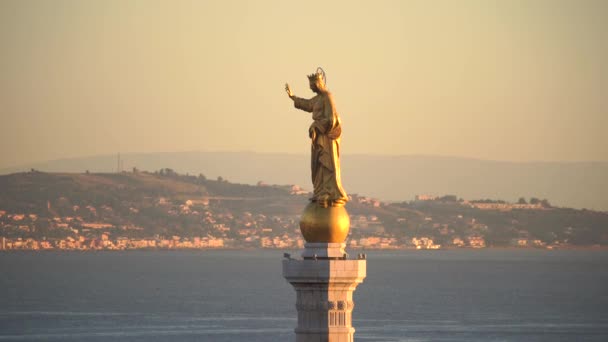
point(319, 224)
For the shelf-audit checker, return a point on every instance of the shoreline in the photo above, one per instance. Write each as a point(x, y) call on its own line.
point(506, 248)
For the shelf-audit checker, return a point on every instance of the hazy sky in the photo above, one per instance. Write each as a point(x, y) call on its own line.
point(502, 80)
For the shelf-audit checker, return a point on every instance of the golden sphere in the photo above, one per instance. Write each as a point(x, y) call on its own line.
point(320, 224)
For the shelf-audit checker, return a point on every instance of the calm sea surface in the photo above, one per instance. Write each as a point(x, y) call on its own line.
point(456, 295)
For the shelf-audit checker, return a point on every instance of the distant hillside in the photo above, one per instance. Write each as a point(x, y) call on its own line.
point(392, 178)
point(84, 211)
point(34, 191)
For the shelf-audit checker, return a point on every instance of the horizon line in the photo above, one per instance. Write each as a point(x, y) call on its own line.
point(415, 155)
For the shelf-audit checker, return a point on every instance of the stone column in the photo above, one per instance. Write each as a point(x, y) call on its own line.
point(324, 280)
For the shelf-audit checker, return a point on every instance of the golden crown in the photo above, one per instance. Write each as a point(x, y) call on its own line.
point(319, 74)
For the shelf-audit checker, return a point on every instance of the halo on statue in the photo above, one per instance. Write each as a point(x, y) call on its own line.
point(320, 71)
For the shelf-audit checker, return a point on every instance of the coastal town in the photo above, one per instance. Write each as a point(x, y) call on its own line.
point(226, 231)
point(233, 216)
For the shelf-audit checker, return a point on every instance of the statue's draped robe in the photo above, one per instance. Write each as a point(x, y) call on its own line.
point(325, 134)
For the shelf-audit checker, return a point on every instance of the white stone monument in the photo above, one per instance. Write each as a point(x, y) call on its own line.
point(324, 280)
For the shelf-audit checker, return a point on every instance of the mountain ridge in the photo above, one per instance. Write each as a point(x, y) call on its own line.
point(390, 178)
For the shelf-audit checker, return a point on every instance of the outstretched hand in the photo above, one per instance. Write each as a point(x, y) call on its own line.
point(288, 90)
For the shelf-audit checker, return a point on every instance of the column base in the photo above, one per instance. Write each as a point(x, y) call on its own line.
point(324, 288)
point(325, 335)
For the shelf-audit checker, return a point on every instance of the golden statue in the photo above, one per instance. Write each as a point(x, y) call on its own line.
point(325, 218)
point(324, 133)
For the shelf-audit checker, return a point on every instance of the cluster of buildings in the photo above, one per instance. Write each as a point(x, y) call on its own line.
point(81, 243)
point(483, 205)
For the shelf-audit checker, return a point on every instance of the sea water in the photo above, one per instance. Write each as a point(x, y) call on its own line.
point(445, 295)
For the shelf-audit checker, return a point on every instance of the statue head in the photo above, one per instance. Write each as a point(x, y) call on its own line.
point(317, 81)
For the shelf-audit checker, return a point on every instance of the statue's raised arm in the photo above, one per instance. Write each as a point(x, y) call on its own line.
point(288, 91)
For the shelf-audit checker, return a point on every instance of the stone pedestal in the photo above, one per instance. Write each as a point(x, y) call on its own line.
point(324, 280)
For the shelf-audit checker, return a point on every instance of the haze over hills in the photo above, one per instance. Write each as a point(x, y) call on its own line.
point(390, 178)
